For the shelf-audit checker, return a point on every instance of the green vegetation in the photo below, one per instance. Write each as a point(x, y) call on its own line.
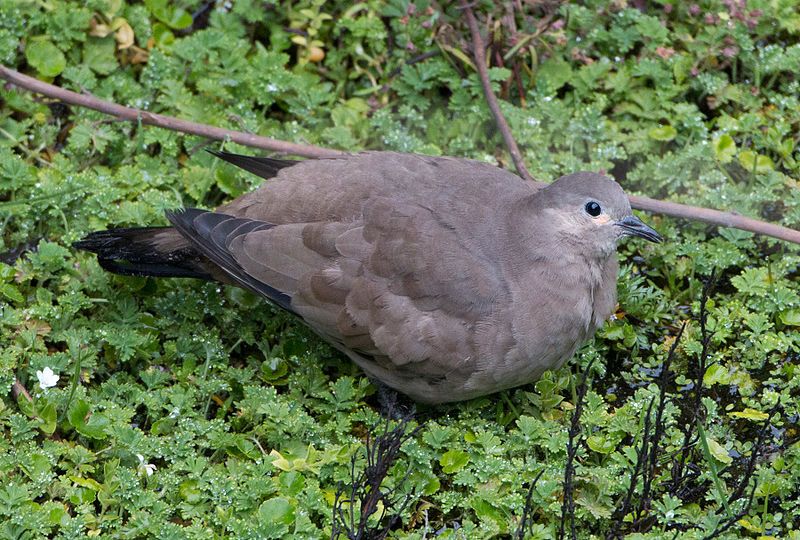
point(190, 410)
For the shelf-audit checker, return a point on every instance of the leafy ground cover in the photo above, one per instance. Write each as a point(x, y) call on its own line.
point(180, 409)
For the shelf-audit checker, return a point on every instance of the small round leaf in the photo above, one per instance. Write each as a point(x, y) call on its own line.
point(663, 133)
point(48, 59)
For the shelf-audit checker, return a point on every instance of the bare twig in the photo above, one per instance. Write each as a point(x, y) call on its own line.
point(641, 460)
point(727, 524)
point(160, 120)
point(646, 456)
point(526, 521)
point(649, 472)
point(568, 505)
point(707, 215)
point(745, 480)
point(479, 53)
point(695, 412)
point(754, 455)
point(649, 453)
point(366, 496)
point(715, 217)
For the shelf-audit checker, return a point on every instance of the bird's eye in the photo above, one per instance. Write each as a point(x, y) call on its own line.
point(593, 209)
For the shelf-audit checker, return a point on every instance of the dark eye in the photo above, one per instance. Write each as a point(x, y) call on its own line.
point(593, 209)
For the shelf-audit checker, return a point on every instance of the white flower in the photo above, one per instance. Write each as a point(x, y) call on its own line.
point(47, 379)
point(147, 468)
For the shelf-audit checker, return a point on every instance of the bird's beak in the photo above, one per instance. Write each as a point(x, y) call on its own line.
point(634, 226)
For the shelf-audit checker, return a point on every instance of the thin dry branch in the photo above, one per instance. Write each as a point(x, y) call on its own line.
point(160, 120)
point(479, 53)
point(666, 208)
point(714, 217)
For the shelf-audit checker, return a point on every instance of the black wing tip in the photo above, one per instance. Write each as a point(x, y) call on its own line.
point(232, 157)
point(200, 226)
point(265, 167)
point(219, 153)
point(184, 216)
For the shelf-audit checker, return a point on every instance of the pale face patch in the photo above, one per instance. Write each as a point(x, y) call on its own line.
point(602, 219)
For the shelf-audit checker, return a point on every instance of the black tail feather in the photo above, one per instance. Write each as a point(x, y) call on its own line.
point(132, 252)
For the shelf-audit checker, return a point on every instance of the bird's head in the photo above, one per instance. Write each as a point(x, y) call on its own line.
point(591, 211)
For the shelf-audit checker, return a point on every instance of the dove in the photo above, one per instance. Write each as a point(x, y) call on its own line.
point(444, 278)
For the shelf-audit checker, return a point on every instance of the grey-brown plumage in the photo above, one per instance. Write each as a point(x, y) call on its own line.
point(445, 278)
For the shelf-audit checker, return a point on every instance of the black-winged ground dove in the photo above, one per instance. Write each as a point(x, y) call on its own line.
point(444, 278)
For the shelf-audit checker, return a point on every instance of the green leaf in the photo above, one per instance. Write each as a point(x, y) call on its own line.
point(7, 272)
point(292, 483)
point(431, 486)
point(88, 483)
point(98, 54)
point(176, 18)
point(755, 162)
point(190, 491)
point(276, 510)
point(51, 257)
point(499, 74)
point(36, 466)
point(57, 515)
point(453, 461)
point(162, 35)
point(790, 317)
point(716, 374)
point(663, 133)
point(601, 444)
point(163, 426)
point(48, 416)
point(229, 181)
point(718, 451)
point(48, 59)
point(85, 423)
point(485, 510)
point(750, 414)
point(681, 67)
point(724, 148)
point(555, 73)
point(10, 292)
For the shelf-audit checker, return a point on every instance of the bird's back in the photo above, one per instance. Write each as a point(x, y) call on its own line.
point(338, 188)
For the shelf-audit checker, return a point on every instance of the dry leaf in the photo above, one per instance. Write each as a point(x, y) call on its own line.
point(124, 34)
point(98, 29)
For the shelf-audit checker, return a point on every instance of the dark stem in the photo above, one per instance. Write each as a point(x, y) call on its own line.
point(568, 506)
point(526, 521)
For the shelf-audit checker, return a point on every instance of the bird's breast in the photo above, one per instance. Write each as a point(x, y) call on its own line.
point(557, 307)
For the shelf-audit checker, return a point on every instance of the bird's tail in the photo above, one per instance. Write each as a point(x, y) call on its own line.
point(146, 251)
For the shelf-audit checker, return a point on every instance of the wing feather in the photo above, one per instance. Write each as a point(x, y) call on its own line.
point(205, 230)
